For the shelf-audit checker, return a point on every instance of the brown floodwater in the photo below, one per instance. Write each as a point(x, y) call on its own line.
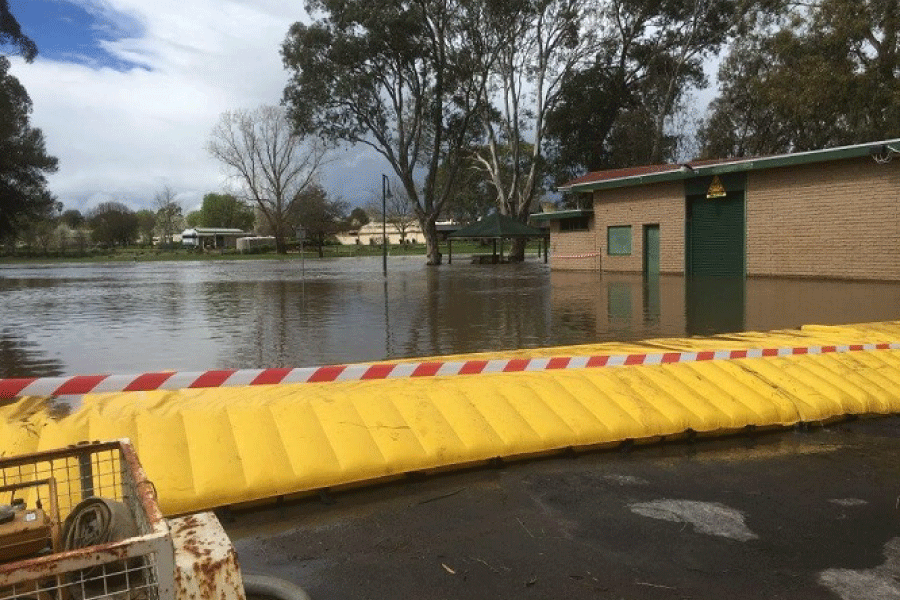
point(58, 319)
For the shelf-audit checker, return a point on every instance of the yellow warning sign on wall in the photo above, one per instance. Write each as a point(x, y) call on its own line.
point(716, 189)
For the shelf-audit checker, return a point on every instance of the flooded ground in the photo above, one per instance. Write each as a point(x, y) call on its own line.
point(128, 318)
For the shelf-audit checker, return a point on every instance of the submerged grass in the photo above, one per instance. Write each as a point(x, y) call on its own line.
point(182, 254)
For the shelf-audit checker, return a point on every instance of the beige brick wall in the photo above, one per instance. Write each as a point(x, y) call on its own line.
point(839, 219)
point(661, 204)
point(568, 249)
point(836, 220)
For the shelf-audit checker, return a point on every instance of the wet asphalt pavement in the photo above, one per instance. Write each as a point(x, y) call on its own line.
point(793, 514)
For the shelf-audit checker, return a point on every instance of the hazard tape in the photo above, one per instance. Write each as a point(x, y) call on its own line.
point(87, 384)
point(587, 255)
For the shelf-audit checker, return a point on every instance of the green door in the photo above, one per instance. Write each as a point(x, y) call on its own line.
point(651, 250)
point(715, 235)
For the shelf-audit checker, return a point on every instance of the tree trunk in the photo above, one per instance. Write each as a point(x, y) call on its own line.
point(517, 251)
point(277, 226)
point(432, 243)
point(280, 246)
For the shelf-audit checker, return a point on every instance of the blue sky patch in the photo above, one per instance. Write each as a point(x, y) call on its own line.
point(73, 31)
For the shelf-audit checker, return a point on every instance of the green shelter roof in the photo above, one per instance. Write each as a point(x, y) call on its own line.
point(496, 226)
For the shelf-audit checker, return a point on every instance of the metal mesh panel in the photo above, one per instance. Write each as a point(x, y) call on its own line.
point(133, 579)
point(86, 474)
point(55, 482)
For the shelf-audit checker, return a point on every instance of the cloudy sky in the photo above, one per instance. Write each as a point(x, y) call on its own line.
point(127, 91)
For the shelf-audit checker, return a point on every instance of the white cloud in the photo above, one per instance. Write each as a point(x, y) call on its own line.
point(123, 135)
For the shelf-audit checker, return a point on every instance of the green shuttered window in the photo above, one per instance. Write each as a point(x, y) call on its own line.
point(618, 240)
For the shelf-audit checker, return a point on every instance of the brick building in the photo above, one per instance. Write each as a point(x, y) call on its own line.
point(827, 213)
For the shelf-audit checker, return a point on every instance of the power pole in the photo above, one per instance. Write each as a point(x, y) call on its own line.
point(385, 192)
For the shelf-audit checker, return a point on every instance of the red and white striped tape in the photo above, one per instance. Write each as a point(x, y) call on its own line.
point(84, 384)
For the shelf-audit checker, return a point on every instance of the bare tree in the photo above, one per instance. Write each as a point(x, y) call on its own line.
point(399, 209)
point(168, 214)
point(273, 163)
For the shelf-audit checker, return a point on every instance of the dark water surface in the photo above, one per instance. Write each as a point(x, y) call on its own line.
point(130, 318)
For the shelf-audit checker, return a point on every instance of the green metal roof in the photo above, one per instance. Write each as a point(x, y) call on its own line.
point(600, 180)
point(497, 226)
point(560, 214)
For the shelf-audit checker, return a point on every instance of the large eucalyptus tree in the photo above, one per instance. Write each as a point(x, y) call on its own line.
point(809, 75)
point(404, 77)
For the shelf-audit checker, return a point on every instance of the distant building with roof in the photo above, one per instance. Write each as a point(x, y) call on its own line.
point(211, 237)
point(371, 233)
point(826, 213)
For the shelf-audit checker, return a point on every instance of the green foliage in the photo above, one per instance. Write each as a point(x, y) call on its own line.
point(358, 217)
point(11, 33)
point(194, 219)
point(543, 44)
point(403, 77)
point(113, 223)
point(24, 161)
point(146, 224)
point(320, 217)
point(612, 113)
point(471, 196)
point(224, 210)
point(72, 218)
point(822, 75)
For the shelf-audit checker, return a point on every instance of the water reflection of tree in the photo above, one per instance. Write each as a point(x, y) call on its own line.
point(484, 307)
point(19, 358)
point(285, 323)
point(415, 313)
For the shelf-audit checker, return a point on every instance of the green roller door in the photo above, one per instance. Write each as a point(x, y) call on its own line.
point(715, 235)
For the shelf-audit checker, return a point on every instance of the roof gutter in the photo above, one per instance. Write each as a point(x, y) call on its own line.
point(672, 175)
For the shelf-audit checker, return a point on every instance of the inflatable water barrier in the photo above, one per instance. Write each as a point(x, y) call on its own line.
point(228, 437)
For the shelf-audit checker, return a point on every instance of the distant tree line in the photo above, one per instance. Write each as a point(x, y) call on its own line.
point(113, 224)
point(110, 224)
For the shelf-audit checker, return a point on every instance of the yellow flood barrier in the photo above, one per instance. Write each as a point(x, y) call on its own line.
point(211, 447)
